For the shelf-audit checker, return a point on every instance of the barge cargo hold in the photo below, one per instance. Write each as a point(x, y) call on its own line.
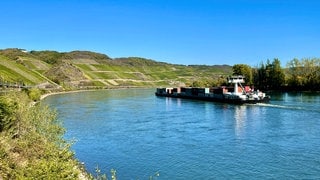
point(234, 95)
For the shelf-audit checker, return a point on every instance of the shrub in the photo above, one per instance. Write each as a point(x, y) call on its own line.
point(7, 111)
point(31, 142)
point(34, 94)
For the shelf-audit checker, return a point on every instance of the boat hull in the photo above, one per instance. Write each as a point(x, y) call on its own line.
point(221, 99)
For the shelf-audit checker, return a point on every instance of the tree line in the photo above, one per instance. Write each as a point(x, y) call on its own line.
point(298, 75)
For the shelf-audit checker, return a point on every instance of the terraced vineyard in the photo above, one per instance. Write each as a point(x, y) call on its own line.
point(11, 71)
point(84, 69)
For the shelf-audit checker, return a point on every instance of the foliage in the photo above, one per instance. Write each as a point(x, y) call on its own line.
point(134, 61)
point(299, 75)
point(244, 70)
point(209, 82)
point(269, 76)
point(276, 74)
point(31, 143)
point(7, 111)
point(50, 57)
point(304, 73)
point(100, 176)
point(86, 55)
point(34, 94)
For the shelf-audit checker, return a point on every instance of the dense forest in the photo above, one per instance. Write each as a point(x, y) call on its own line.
point(298, 75)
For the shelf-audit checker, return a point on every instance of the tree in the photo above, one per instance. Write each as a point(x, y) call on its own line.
point(304, 74)
point(269, 75)
point(259, 76)
point(245, 70)
point(311, 73)
point(294, 72)
point(277, 76)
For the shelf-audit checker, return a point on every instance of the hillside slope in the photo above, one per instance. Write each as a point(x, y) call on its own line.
point(85, 69)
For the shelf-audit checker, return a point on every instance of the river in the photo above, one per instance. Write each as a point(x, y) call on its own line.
point(140, 135)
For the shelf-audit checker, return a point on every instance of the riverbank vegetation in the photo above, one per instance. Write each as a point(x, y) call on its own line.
point(31, 142)
point(298, 75)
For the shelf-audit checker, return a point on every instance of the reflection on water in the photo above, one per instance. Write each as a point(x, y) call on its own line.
point(170, 102)
point(139, 134)
point(240, 118)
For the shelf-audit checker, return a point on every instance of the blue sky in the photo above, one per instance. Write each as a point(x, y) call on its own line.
point(175, 31)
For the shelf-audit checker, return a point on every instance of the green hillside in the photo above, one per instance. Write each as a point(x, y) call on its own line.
point(85, 69)
point(18, 71)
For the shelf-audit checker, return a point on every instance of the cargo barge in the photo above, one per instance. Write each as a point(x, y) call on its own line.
point(237, 94)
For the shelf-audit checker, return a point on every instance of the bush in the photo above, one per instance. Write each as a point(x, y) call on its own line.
point(7, 110)
point(34, 94)
point(31, 142)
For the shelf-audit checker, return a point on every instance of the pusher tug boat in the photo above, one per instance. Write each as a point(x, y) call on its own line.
point(237, 94)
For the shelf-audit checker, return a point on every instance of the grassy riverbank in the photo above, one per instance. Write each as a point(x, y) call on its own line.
point(31, 142)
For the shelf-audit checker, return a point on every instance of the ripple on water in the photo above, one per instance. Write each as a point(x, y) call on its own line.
point(139, 135)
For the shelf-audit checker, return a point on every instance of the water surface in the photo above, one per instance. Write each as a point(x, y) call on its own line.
point(140, 135)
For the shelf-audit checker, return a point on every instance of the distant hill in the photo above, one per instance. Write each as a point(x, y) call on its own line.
point(85, 69)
